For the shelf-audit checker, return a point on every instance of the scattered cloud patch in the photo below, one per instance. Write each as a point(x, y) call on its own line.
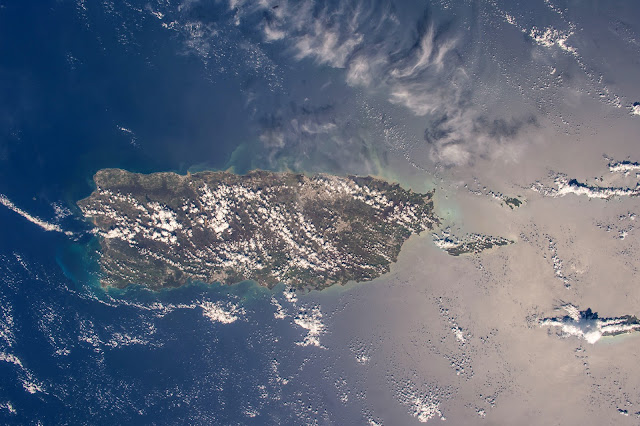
point(220, 312)
point(423, 404)
point(311, 320)
point(549, 37)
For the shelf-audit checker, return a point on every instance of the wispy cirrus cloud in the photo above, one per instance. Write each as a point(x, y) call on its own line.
point(424, 63)
point(417, 66)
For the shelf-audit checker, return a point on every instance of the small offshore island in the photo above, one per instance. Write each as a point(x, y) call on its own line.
point(165, 230)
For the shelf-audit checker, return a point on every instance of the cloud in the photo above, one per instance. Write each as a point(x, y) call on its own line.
point(419, 59)
point(296, 128)
point(272, 32)
point(327, 46)
point(304, 136)
point(589, 326)
point(430, 50)
point(284, 130)
point(33, 219)
point(426, 66)
point(461, 139)
point(363, 69)
point(413, 97)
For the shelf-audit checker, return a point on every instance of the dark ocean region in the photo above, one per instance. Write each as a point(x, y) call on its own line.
point(78, 95)
point(76, 99)
point(202, 353)
point(86, 86)
point(478, 100)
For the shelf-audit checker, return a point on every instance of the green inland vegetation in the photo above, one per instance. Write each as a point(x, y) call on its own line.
point(477, 245)
point(165, 230)
point(513, 202)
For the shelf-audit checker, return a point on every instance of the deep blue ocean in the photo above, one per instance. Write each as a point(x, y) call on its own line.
point(411, 91)
point(477, 100)
point(83, 87)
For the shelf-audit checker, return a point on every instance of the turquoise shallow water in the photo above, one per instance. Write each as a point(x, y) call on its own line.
point(79, 263)
point(82, 349)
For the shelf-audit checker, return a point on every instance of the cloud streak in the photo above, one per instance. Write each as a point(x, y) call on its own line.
point(39, 222)
point(417, 66)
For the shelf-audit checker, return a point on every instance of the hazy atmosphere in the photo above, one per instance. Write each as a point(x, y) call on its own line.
point(495, 285)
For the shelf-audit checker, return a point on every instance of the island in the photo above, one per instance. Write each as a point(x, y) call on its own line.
point(468, 244)
point(165, 230)
point(512, 202)
point(589, 326)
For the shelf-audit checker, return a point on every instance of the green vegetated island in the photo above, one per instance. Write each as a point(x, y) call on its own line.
point(165, 230)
